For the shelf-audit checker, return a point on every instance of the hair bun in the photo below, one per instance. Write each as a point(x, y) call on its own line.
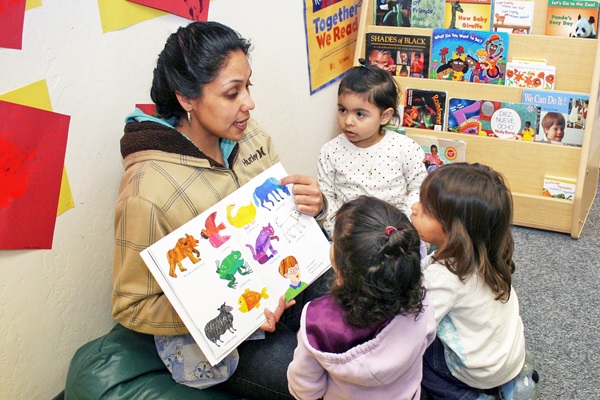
point(362, 62)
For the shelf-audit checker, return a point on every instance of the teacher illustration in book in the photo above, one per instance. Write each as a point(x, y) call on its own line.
point(200, 146)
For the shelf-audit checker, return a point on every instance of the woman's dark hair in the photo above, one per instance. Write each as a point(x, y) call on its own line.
point(474, 207)
point(193, 57)
point(372, 84)
point(378, 267)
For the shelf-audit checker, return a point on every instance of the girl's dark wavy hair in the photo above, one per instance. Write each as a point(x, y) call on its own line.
point(380, 275)
point(474, 206)
point(193, 57)
point(372, 84)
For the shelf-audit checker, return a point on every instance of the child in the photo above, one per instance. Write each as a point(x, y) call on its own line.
point(432, 160)
point(528, 133)
point(466, 211)
point(367, 337)
point(366, 158)
point(553, 124)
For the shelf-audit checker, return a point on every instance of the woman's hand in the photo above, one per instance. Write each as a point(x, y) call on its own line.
point(309, 199)
point(273, 317)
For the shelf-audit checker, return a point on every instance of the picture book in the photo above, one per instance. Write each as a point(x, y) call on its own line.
point(440, 151)
point(468, 55)
point(563, 115)
point(468, 14)
point(508, 120)
point(221, 269)
point(463, 116)
point(392, 12)
point(399, 54)
point(572, 18)
point(530, 75)
point(427, 14)
point(513, 16)
point(424, 109)
point(559, 187)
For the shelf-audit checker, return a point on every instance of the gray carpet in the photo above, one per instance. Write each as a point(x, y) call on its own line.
point(557, 280)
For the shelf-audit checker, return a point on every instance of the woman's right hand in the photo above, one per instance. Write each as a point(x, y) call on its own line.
point(274, 317)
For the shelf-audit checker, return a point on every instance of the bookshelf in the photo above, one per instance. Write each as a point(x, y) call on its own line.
point(524, 164)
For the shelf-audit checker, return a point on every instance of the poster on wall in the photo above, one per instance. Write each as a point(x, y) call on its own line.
point(196, 10)
point(12, 17)
point(331, 31)
point(32, 152)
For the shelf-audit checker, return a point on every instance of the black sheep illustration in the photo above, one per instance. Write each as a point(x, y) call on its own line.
point(220, 324)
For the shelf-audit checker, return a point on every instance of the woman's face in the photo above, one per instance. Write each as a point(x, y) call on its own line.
point(224, 108)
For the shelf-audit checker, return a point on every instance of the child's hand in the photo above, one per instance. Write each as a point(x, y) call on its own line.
point(309, 199)
point(273, 317)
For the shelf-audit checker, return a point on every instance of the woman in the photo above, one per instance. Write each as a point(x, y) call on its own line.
point(202, 146)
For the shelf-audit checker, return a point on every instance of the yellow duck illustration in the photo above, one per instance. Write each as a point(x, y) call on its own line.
point(244, 216)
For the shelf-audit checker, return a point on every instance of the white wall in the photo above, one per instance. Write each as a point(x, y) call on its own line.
point(52, 302)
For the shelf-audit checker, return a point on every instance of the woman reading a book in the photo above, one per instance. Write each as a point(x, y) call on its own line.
point(200, 146)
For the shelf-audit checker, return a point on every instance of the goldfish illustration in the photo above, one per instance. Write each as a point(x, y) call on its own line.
point(251, 299)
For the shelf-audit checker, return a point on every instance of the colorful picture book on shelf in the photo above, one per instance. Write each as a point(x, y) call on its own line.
point(469, 55)
point(392, 12)
point(427, 14)
point(424, 109)
point(468, 14)
point(513, 16)
point(572, 18)
point(440, 151)
point(559, 187)
point(528, 74)
point(563, 115)
point(225, 266)
point(463, 116)
point(399, 54)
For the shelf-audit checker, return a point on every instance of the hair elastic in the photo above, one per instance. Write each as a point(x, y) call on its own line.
point(362, 62)
point(389, 230)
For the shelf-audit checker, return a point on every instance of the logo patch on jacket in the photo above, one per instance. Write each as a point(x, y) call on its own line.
point(257, 155)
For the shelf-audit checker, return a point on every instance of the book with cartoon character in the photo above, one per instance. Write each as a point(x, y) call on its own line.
point(425, 109)
point(513, 16)
point(224, 267)
point(399, 54)
point(468, 14)
point(468, 55)
point(572, 18)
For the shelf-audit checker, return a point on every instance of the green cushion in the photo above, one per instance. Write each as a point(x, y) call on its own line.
point(124, 365)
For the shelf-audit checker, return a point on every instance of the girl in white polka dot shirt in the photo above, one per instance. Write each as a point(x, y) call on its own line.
point(366, 158)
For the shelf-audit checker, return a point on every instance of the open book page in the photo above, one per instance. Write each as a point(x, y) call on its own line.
point(222, 268)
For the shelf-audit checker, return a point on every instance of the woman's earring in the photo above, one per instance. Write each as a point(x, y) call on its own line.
point(189, 118)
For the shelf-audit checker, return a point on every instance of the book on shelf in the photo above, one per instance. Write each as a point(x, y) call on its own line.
point(440, 151)
point(222, 268)
point(392, 12)
point(559, 187)
point(468, 55)
point(513, 16)
point(501, 119)
point(526, 73)
point(572, 18)
point(425, 109)
point(563, 115)
point(427, 14)
point(399, 54)
point(468, 14)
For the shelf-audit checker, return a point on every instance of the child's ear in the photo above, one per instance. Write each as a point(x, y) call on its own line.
point(386, 116)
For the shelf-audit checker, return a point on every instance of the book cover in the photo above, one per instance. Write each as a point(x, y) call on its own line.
point(563, 115)
point(222, 268)
point(440, 151)
point(463, 116)
point(392, 12)
point(513, 16)
point(468, 55)
point(424, 109)
point(399, 54)
point(572, 18)
point(507, 120)
point(530, 75)
point(427, 14)
point(468, 14)
point(559, 187)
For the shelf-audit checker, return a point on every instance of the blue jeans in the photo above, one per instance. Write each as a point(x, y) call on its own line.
point(262, 369)
point(438, 381)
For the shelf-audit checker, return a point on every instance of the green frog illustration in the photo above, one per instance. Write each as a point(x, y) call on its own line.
point(232, 264)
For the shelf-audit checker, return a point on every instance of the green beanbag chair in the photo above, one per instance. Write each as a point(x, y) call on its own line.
point(124, 365)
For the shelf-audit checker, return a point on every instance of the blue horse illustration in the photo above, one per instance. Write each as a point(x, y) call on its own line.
point(270, 187)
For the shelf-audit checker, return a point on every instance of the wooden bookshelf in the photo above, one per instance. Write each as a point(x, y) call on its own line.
point(524, 164)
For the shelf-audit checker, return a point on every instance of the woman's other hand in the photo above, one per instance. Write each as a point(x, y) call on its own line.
point(273, 317)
